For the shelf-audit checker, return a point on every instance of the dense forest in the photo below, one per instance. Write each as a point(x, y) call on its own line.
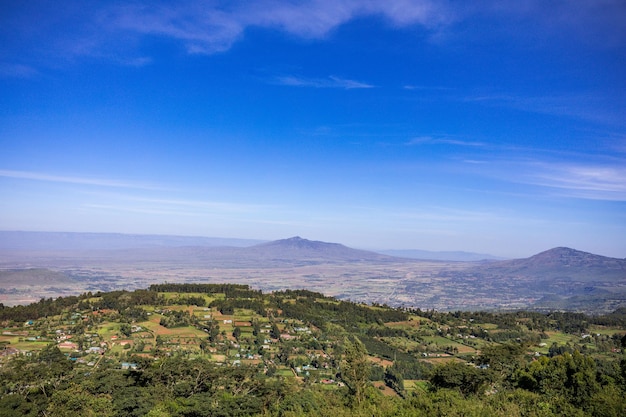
point(228, 350)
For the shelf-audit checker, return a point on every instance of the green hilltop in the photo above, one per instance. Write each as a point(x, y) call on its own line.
point(229, 350)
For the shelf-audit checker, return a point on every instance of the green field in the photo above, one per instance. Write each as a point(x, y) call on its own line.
point(393, 345)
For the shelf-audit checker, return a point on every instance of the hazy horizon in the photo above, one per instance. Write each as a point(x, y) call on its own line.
point(197, 240)
point(493, 127)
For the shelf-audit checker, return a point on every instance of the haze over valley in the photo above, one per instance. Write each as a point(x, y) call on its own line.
point(71, 263)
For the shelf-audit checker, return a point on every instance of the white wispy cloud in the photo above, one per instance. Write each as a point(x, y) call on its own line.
point(110, 29)
point(317, 18)
point(171, 203)
point(204, 204)
point(426, 88)
point(588, 107)
point(547, 176)
point(330, 82)
point(210, 27)
point(136, 61)
point(203, 27)
point(581, 180)
point(137, 210)
point(428, 140)
point(101, 182)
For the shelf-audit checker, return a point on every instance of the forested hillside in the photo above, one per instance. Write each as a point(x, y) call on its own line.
point(229, 350)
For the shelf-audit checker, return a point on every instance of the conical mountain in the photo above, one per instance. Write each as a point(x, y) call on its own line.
point(562, 262)
point(303, 250)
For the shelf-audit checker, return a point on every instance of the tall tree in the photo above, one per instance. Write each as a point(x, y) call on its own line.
point(355, 368)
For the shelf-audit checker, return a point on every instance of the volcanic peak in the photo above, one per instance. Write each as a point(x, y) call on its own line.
point(297, 242)
point(567, 257)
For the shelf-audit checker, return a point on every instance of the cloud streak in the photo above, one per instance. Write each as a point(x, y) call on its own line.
point(583, 181)
point(203, 205)
point(115, 31)
point(100, 182)
point(112, 30)
point(428, 140)
point(330, 82)
point(586, 107)
point(211, 27)
point(587, 181)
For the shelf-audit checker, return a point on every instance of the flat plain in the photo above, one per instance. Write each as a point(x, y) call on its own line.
point(560, 278)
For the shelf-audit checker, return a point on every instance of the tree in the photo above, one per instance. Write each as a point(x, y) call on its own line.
point(607, 402)
point(503, 359)
point(213, 329)
point(204, 345)
point(275, 332)
point(76, 401)
point(465, 378)
point(571, 375)
point(125, 329)
point(355, 368)
point(394, 380)
point(159, 341)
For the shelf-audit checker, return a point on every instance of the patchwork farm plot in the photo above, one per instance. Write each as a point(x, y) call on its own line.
point(287, 334)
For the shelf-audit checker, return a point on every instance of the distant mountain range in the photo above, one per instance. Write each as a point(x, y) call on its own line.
point(74, 241)
point(191, 251)
point(292, 252)
point(17, 240)
point(559, 278)
point(296, 246)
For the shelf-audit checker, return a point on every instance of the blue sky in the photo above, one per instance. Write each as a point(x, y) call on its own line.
point(486, 126)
